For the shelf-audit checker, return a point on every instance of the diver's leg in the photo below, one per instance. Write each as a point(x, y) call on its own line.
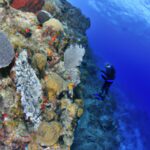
point(107, 88)
point(103, 89)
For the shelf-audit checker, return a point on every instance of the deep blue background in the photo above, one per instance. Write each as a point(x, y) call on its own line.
point(121, 36)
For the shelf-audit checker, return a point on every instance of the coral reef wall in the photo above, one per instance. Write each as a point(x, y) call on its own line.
point(63, 10)
point(40, 96)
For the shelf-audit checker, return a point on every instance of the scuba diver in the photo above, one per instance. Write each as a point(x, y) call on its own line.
point(108, 75)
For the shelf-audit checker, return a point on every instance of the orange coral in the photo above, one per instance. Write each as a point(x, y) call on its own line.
point(49, 52)
point(43, 105)
point(39, 27)
point(53, 39)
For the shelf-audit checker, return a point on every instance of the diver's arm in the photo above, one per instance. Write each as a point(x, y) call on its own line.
point(103, 72)
point(104, 75)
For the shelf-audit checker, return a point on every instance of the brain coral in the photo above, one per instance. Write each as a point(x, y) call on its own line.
point(6, 51)
point(55, 24)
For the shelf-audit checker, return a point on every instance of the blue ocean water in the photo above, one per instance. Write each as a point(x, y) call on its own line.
point(120, 34)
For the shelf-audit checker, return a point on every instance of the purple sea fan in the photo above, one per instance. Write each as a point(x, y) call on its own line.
point(6, 51)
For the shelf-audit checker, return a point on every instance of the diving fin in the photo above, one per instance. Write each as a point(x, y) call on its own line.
point(98, 96)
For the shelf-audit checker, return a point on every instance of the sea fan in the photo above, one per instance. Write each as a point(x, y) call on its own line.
point(73, 56)
point(6, 51)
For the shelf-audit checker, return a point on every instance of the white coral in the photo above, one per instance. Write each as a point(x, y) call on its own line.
point(30, 88)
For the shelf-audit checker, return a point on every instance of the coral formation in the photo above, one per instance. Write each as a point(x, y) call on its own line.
point(73, 75)
point(80, 112)
point(54, 85)
point(72, 59)
point(73, 56)
point(39, 60)
point(55, 24)
point(6, 51)
point(38, 106)
point(27, 5)
point(49, 115)
point(48, 134)
point(52, 6)
point(29, 86)
point(43, 16)
point(6, 98)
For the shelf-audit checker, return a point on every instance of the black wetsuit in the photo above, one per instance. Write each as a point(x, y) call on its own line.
point(108, 76)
